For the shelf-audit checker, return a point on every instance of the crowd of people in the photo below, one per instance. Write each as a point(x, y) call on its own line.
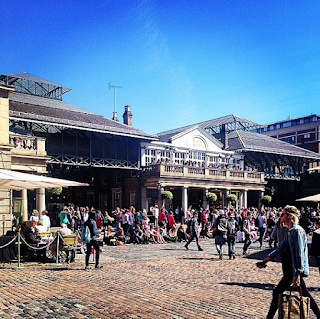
point(284, 230)
point(227, 226)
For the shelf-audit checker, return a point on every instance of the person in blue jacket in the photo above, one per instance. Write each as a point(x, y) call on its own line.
point(91, 223)
point(294, 255)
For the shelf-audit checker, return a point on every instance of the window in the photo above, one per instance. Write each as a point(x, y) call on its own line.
point(306, 138)
point(290, 140)
point(150, 156)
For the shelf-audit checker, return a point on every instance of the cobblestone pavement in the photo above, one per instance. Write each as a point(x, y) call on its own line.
point(147, 281)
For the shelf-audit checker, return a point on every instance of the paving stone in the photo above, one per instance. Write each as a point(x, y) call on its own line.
point(146, 281)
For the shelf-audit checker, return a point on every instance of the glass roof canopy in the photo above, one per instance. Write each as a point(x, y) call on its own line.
point(33, 85)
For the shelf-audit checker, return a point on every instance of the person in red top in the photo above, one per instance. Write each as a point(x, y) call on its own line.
point(203, 218)
point(162, 217)
point(171, 220)
point(99, 219)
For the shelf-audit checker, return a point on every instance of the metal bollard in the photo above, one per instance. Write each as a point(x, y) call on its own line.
point(19, 253)
point(57, 264)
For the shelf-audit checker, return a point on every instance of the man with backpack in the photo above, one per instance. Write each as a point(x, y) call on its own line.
point(232, 228)
point(221, 232)
point(194, 233)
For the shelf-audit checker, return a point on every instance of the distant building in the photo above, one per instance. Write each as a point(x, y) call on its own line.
point(302, 131)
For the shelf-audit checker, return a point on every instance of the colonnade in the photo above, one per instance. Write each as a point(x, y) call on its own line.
point(40, 201)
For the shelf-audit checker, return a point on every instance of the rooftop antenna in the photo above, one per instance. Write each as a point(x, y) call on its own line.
point(115, 117)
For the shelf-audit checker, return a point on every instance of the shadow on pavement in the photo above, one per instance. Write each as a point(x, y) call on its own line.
point(198, 258)
point(250, 285)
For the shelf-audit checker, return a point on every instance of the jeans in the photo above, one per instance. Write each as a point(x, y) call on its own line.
point(219, 241)
point(283, 285)
point(262, 231)
point(247, 242)
point(93, 243)
point(231, 246)
point(196, 236)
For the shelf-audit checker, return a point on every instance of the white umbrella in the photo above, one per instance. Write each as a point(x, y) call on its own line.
point(17, 180)
point(313, 198)
point(313, 169)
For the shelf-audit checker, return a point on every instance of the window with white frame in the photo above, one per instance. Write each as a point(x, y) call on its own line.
point(179, 157)
point(150, 156)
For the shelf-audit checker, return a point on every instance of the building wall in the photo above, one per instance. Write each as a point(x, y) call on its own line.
point(5, 159)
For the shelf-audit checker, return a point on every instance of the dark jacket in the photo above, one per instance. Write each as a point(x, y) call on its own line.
point(232, 227)
point(30, 237)
point(221, 225)
point(315, 244)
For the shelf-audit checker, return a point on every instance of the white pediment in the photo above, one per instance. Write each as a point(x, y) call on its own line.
point(196, 139)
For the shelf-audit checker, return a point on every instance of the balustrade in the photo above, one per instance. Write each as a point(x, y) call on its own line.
point(168, 170)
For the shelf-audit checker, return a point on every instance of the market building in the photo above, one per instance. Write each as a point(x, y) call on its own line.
point(282, 164)
point(125, 166)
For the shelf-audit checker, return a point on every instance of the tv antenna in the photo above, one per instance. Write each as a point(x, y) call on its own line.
point(110, 86)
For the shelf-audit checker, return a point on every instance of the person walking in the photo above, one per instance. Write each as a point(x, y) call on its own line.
point(247, 228)
point(294, 252)
point(221, 233)
point(262, 224)
point(232, 228)
point(315, 244)
point(194, 232)
point(91, 223)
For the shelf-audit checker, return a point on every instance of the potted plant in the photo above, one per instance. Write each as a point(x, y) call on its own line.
point(232, 198)
point(211, 197)
point(266, 200)
point(167, 195)
point(55, 190)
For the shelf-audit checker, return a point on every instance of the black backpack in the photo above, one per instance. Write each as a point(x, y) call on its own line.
point(232, 229)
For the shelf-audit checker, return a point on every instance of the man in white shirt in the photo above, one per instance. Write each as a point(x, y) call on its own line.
point(45, 219)
point(155, 211)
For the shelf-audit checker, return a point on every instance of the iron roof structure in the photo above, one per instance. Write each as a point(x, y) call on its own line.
point(240, 137)
point(254, 142)
point(214, 126)
point(33, 101)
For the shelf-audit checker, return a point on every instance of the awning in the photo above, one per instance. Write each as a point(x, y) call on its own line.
point(17, 181)
point(314, 169)
point(313, 198)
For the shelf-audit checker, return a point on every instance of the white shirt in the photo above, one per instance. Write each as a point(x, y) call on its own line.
point(46, 221)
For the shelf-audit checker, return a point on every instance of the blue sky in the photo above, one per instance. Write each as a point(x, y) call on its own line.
point(178, 62)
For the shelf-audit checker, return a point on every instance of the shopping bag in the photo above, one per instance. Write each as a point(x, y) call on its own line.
point(293, 306)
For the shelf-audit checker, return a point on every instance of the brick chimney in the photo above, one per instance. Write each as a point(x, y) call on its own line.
point(127, 116)
point(225, 136)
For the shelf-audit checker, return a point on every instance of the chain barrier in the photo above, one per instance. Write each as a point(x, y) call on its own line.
point(35, 248)
point(9, 243)
point(68, 246)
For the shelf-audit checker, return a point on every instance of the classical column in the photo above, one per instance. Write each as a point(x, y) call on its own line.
point(244, 198)
point(184, 204)
point(40, 199)
point(261, 194)
point(144, 198)
point(24, 196)
point(225, 202)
